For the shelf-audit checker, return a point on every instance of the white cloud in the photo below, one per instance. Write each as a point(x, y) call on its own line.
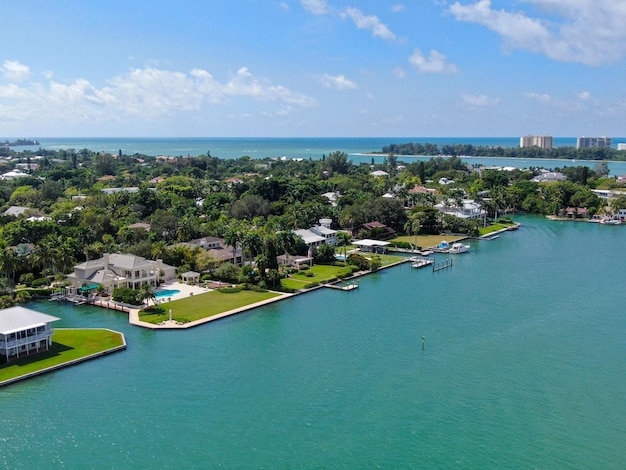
point(479, 101)
point(147, 92)
point(317, 7)
point(434, 63)
point(399, 72)
point(538, 96)
point(397, 8)
point(370, 22)
point(14, 71)
point(590, 32)
point(584, 95)
point(337, 82)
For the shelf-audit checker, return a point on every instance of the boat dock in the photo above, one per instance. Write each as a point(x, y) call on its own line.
point(447, 263)
point(421, 262)
point(347, 287)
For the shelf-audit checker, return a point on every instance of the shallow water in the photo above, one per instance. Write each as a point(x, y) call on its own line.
point(523, 367)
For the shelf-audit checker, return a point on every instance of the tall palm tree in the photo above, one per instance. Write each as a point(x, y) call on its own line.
point(148, 293)
point(344, 239)
point(286, 241)
point(232, 237)
point(412, 227)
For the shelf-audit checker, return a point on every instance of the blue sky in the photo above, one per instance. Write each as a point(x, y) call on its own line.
point(304, 68)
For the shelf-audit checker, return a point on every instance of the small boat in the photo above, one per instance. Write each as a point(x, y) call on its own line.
point(611, 221)
point(458, 248)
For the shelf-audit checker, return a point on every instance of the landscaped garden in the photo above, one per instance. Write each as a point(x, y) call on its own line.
point(198, 307)
point(67, 345)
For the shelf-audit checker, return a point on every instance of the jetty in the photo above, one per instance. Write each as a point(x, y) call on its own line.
point(447, 263)
point(346, 287)
point(421, 262)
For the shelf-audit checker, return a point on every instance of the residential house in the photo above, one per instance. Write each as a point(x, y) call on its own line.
point(375, 230)
point(549, 177)
point(469, 209)
point(217, 249)
point(24, 332)
point(318, 235)
point(120, 270)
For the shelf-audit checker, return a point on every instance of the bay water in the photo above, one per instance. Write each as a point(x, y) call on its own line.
point(359, 149)
point(523, 367)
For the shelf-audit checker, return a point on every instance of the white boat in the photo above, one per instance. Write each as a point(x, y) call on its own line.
point(611, 221)
point(458, 248)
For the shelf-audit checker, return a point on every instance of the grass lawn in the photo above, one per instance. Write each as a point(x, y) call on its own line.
point(322, 273)
point(206, 305)
point(428, 241)
point(67, 345)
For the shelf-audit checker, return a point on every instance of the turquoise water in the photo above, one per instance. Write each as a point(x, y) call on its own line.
point(523, 367)
point(166, 292)
point(307, 148)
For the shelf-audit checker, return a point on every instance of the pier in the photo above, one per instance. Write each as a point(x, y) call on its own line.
point(348, 287)
point(421, 262)
point(447, 263)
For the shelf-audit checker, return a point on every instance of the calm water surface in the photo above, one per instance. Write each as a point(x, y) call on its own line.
point(523, 368)
point(309, 147)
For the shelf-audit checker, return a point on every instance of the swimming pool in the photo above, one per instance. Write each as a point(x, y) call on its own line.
point(166, 293)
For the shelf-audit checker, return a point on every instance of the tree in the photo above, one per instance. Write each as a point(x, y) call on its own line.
point(412, 226)
point(344, 239)
point(148, 293)
point(286, 241)
point(324, 254)
point(232, 238)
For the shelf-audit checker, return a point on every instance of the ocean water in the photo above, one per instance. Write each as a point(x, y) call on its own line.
point(314, 148)
point(523, 367)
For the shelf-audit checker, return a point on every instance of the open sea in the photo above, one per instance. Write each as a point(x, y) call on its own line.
point(301, 147)
point(523, 368)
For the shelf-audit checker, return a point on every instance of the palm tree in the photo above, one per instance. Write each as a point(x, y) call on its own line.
point(344, 239)
point(412, 226)
point(232, 237)
point(147, 293)
point(286, 240)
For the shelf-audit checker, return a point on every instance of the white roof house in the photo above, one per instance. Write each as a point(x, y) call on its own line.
point(318, 235)
point(469, 209)
point(16, 211)
point(378, 173)
point(14, 174)
point(120, 270)
point(23, 332)
point(549, 177)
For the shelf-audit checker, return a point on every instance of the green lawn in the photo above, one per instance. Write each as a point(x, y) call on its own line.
point(206, 305)
point(67, 345)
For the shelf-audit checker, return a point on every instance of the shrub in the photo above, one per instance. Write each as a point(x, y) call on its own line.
point(304, 267)
point(345, 272)
point(42, 281)
point(354, 268)
point(227, 272)
point(311, 285)
point(27, 278)
point(309, 274)
point(127, 296)
point(22, 297)
point(229, 290)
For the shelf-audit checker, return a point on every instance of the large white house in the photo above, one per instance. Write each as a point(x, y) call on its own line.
point(24, 332)
point(120, 270)
point(319, 235)
point(469, 209)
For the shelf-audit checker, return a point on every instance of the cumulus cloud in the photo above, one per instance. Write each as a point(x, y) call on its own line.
point(434, 63)
point(14, 71)
point(479, 101)
point(397, 8)
point(317, 7)
point(589, 32)
point(148, 92)
point(337, 82)
point(371, 22)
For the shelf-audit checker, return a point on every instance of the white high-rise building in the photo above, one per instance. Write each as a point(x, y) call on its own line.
point(541, 141)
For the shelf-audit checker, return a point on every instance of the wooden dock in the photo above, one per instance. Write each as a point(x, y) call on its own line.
point(421, 262)
point(447, 263)
point(347, 287)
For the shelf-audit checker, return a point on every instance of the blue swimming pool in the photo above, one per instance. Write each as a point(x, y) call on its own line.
point(166, 293)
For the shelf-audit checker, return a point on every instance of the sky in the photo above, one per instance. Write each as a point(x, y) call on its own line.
point(312, 68)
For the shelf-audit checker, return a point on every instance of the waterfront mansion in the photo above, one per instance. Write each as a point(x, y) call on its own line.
point(120, 270)
point(24, 332)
